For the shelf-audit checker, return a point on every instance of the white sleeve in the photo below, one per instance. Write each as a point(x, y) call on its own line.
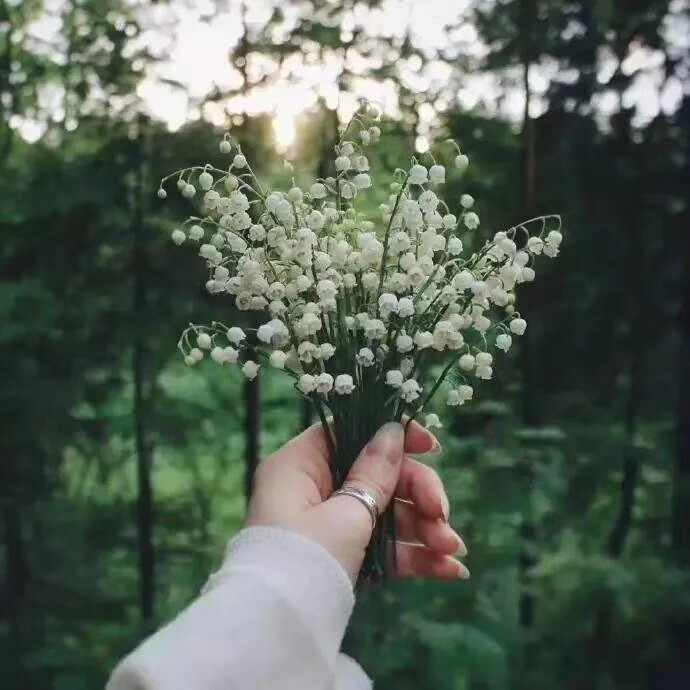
point(272, 618)
point(350, 676)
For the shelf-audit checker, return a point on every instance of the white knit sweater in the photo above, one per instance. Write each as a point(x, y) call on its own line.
point(272, 618)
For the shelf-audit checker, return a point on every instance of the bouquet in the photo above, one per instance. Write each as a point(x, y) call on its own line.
point(371, 316)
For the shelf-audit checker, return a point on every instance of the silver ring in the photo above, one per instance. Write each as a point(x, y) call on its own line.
point(364, 497)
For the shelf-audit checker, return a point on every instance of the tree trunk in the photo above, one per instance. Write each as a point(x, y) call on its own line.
point(16, 565)
point(331, 135)
point(530, 416)
point(8, 103)
point(13, 595)
point(680, 509)
point(251, 390)
point(141, 401)
point(600, 642)
point(630, 464)
point(635, 314)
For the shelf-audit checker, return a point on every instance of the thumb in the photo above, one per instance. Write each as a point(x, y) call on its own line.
point(377, 468)
point(343, 526)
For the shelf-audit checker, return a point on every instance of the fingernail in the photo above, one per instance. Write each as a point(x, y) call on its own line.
point(388, 442)
point(461, 549)
point(436, 447)
point(463, 572)
point(445, 506)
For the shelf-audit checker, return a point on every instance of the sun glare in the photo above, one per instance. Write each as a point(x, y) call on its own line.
point(284, 129)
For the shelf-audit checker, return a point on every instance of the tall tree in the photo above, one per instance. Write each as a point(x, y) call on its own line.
point(516, 37)
point(88, 61)
point(680, 534)
point(142, 396)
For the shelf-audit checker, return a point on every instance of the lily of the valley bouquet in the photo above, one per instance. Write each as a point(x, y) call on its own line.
point(370, 316)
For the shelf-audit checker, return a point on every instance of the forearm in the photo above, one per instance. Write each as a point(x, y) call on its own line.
point(272, 617)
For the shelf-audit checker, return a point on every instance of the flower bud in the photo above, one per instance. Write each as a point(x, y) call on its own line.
point(437, 174)
point(342, 163)
point(250, 369)
point(203, 340)
point(461, 161)
point(306, 383)
point(471, 220)
point(432, 421)
point(295, 195)
point(235, 335)
point(394, 378)
point(205, 181)
point(518, 326)
point(277, 359)
point(554, 238)
point(417, 174)
point(230, 355)
point(503, 342)
point(467, 362)
point(317, 190)
point(196, 232)
point(344, 385)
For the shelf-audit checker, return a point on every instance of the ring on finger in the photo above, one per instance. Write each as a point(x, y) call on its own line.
point(364, 497)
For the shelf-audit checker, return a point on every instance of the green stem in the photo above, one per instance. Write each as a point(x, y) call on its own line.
point(382, 272)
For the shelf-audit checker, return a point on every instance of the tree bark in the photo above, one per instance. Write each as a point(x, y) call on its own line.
point(680, 509)
point(600, 643)
point(251, 389)
point(630, 463)
point(141, 401)
point(13, 594)
point(16, 565)
point(635, 314)
point(8, 104)
point(530, 416)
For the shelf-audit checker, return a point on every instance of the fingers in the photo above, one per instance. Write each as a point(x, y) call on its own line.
point(344, 525)
point(419, 561)
point(418, 439)
point(302, 464)
point(420, 484)
point(315, 436)
point(377, 468)
point(437, 535)
point(309, 452)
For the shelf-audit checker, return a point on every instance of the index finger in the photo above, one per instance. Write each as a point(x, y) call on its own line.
point(421, 485)
point(310, 450)
point(417, 438)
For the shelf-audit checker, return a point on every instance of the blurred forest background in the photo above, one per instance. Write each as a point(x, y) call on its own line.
point(123, 472)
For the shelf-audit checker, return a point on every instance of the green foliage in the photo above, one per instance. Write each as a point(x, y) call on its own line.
point(538, 502)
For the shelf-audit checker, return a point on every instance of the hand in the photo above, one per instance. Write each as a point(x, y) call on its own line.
point(293, 490)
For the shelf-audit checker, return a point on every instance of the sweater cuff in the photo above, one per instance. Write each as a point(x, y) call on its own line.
point(302, 572)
